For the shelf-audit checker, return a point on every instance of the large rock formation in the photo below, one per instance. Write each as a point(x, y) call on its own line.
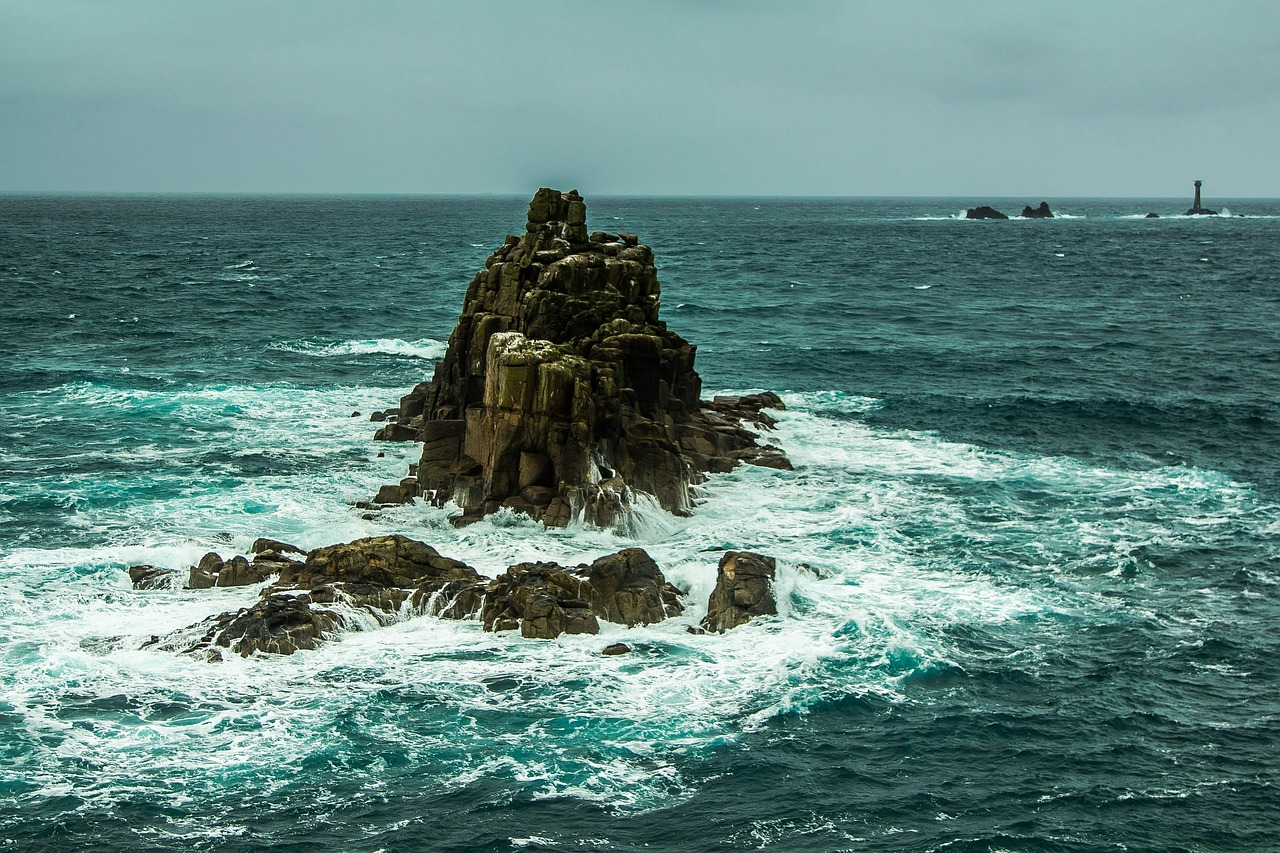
point(562, 393)
point(1041, 212)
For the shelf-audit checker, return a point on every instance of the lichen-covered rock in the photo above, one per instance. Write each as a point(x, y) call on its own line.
point(561, 393)
point(744, 588)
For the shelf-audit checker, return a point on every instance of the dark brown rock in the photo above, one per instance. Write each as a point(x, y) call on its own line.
point(310, 600)
point(238, 572)
point(616, 649)
point(205, 574)
point(262, 545)
point(151, 577)
point(744, 588)
point(984, 212)
point(628, 588)
point(541, 600)
point(562, 393)
point(280, 623)
point(1041, 212)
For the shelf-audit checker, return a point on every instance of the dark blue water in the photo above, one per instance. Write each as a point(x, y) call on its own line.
point(1030, 556)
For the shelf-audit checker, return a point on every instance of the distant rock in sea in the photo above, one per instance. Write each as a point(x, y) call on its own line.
point(1041, 212)
point(1152, 216)
point(984, 212)
point(562, 394)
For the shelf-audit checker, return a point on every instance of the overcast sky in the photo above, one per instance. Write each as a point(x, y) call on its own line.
point(976, 98)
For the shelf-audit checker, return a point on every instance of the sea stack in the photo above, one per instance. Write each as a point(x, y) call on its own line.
point(562, 394)
point(1196, 209)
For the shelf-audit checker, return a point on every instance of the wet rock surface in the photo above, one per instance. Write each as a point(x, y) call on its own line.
point(562, 393)
point(373, 582)
point(744, 589)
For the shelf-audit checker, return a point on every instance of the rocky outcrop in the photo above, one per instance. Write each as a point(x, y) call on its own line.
point(744, 589)
point(378, 580)
point(544, 600)
point(365, 583)
point(1041, 212)
point(562, 393)
point(629, 588)
point(541, 601)
point(152, 577)
point(983, 212)
point(213, 571)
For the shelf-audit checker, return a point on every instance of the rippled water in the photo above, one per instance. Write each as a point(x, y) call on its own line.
point(1029, 556)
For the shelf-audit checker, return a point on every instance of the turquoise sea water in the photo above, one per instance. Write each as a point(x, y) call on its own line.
point(1029, 556)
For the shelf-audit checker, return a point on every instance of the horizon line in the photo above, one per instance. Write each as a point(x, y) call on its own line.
point(248, 194)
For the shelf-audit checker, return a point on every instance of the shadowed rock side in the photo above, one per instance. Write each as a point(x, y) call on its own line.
point(744, 588)
point(984, 212)
point(1041, 212)
point(373, 582)
point(562, 393)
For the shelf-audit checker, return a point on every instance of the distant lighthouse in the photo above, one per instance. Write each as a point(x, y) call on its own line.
point(1196, 209)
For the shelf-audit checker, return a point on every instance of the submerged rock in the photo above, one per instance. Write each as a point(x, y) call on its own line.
point(744, 589)
point(984, 212)
point(562, 393)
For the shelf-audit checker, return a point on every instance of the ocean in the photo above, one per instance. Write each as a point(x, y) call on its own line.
point(1029, 556)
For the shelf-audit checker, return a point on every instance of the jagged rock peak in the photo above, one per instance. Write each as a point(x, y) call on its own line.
point(562, 393)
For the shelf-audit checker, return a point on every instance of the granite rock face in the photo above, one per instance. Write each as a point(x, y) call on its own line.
point(562, 393)
point(744, 588)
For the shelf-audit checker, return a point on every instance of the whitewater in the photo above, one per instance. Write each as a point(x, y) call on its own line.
point(1029, 556)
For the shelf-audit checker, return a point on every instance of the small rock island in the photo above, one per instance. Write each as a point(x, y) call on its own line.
point(562, 394)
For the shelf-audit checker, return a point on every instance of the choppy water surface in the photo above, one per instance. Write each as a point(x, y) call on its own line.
point(1029, 556)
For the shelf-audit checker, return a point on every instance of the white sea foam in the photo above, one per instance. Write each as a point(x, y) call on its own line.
point(422, 348)
point(885, 539)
